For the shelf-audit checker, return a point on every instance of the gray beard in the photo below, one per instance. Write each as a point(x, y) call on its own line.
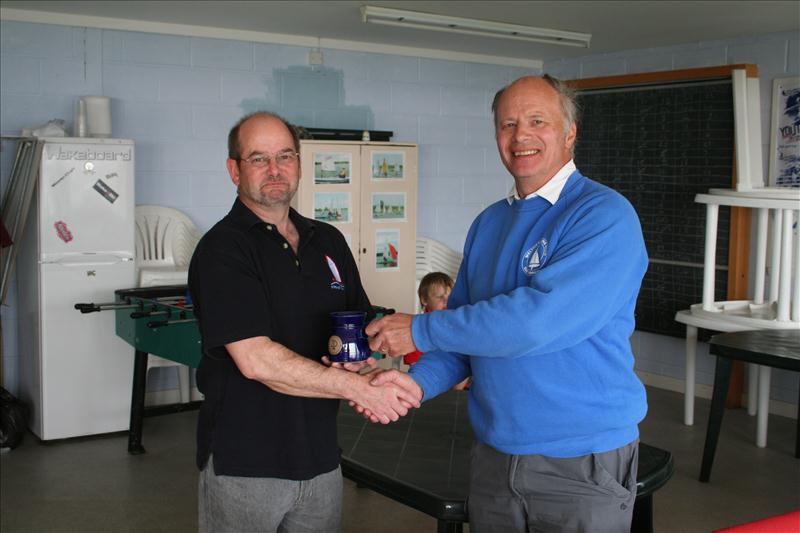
point(284, 201)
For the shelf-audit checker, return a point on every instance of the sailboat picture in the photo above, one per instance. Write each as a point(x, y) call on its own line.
point(332, 168)
point(388, 165)
point(387, 249)
point(332, 206)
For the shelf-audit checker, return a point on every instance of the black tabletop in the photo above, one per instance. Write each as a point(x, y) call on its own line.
point(422, 460)
point(778, 348)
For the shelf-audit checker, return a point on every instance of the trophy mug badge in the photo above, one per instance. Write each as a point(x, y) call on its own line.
point(348, 342)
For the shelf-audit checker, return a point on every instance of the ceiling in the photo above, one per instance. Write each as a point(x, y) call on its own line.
point(614, 25)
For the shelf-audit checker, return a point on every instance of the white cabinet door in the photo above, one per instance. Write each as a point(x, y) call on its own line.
point(329, 187)
point(387, 260)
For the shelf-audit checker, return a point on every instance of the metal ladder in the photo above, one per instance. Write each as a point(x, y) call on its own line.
point(16, 204)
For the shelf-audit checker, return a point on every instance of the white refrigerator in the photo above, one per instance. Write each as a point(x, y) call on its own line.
point(78, 246)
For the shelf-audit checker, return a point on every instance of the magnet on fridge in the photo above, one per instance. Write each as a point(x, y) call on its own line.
point(59, 180)
point(62, 231)
point(105, 191)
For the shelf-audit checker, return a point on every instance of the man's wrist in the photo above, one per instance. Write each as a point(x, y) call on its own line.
point(418, 323)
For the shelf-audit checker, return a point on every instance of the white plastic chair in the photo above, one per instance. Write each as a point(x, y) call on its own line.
point(434, 256)
point(165, 241)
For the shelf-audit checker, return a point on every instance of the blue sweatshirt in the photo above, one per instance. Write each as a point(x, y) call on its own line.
point(541, 315)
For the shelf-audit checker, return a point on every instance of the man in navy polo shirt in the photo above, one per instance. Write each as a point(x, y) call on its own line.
point(264, 280)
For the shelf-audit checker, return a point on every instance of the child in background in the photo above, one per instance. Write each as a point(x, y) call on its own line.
point(433, 292)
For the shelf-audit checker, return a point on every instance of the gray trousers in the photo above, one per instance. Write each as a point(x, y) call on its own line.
point(532, 493)
point(244, 504)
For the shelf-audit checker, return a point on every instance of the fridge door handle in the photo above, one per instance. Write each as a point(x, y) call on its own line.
point(88, 260)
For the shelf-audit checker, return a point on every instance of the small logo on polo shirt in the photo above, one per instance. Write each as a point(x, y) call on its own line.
point(534, 258)
point(337, 279)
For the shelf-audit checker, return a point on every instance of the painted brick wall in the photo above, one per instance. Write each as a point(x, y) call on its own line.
point(178, 96)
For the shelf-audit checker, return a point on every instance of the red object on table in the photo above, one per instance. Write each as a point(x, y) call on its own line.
point(785, 523)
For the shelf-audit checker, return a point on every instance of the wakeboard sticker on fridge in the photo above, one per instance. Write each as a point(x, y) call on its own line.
point(107, 192)
point(63, 231)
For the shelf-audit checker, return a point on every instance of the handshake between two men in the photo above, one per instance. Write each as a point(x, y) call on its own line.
point(391, 393)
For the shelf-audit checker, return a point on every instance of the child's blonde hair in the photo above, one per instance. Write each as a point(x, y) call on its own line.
point(431, 279)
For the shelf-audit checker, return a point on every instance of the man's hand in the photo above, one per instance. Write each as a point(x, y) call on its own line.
point(368, 363)
point(391, 335)
point(391, 378)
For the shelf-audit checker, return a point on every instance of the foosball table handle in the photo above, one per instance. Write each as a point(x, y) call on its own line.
point(110, 306)
point(142, 314)
point(162, 323)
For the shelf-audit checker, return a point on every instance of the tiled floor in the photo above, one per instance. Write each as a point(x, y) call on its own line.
point(92, 484)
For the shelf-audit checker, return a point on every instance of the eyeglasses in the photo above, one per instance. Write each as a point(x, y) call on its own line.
point(283, 159)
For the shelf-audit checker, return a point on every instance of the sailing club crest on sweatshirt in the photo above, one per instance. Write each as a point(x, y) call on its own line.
point(533, 259)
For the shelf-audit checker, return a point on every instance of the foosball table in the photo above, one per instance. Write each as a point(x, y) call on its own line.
point(158, 321)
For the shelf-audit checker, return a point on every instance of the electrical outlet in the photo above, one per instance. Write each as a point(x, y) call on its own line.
point(315, 58)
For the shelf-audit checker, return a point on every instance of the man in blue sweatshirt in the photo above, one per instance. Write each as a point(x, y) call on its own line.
point(540, 316)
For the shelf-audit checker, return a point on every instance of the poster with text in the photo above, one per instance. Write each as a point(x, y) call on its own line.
point(784, 163)
point(387, 249)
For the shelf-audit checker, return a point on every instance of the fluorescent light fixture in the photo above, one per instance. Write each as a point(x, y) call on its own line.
point(484, 28)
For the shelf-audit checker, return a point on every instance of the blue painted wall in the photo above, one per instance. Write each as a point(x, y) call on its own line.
point(178, 96)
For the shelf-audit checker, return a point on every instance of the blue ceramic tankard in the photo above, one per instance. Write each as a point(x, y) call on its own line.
point(348, 342)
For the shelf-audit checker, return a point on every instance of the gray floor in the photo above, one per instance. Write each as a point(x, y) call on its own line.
point(92, 484)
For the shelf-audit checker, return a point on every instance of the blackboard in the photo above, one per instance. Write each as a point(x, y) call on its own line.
point(660, 145)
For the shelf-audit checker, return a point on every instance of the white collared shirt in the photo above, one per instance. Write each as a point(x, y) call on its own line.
point(551, 190)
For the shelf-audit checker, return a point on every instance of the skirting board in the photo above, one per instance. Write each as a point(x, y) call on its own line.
point(776, 407)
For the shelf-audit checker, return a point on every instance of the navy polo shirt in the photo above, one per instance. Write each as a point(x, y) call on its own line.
point(246, 281)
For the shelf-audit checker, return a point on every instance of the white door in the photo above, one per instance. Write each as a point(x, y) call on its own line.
point(388, 229)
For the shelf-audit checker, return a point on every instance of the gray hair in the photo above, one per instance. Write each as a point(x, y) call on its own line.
point(234, 147)
point(567, 97)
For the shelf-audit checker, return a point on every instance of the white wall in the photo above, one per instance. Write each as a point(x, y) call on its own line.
point(178, 96)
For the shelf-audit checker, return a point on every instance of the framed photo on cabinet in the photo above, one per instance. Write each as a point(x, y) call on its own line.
point(388, 206)
point(332, 168)
point(388, 165)
point(332, 206)
point(387, 249)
